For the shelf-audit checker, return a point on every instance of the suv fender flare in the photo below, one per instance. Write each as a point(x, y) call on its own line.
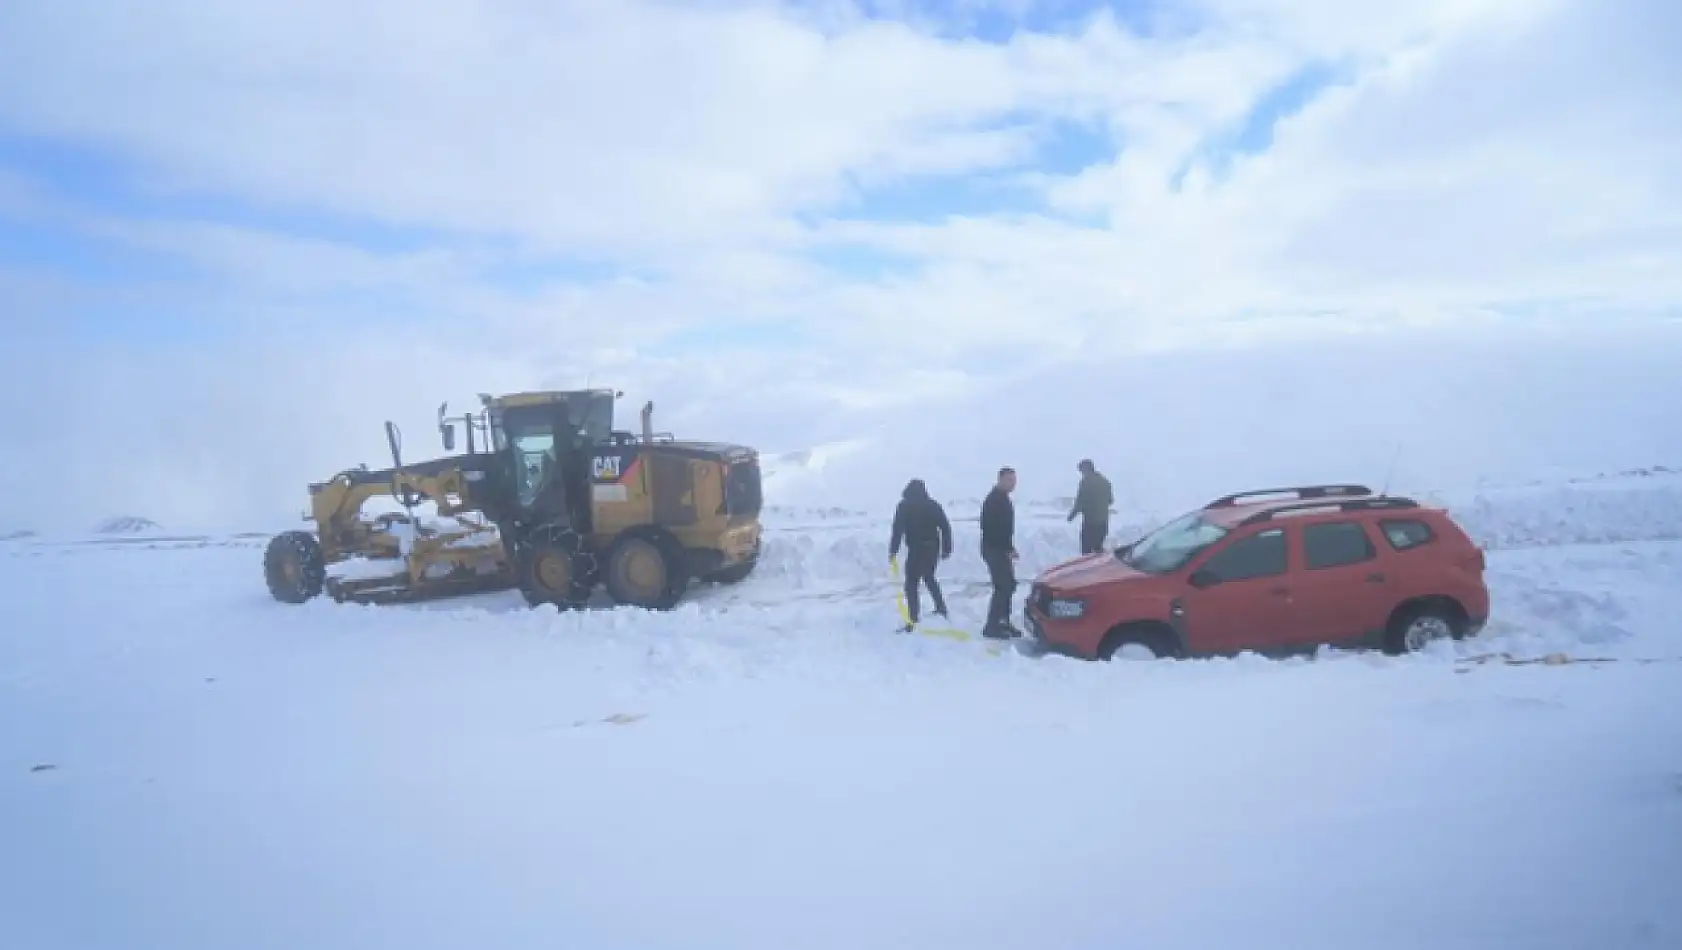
point(1157, 634)
point(1431, 601)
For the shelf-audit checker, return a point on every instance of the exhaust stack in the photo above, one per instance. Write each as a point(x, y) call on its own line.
point(648, 421)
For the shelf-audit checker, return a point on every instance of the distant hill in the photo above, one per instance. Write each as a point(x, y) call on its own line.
point(127, 524)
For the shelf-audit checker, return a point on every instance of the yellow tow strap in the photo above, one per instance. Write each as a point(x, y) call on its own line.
point(951, 633)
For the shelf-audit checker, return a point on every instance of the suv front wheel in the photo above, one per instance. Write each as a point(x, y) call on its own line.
point(1138, 641)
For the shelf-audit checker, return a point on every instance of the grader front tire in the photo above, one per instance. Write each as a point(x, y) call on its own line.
point(556, 567)
point(293, 567)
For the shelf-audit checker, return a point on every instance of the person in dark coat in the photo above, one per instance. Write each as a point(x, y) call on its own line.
point(921, 523)
point(1092, 504)
point(998, 550)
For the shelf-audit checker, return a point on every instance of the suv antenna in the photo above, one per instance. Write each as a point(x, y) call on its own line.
point(1391, 473)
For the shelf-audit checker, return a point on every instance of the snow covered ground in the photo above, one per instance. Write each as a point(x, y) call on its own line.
point(185, 764)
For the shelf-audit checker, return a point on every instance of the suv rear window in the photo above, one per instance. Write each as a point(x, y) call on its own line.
point(1336, 543)
point(1406, 534)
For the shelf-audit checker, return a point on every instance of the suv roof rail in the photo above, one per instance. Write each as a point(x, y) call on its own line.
point(1301, 491)
point(1383, 503)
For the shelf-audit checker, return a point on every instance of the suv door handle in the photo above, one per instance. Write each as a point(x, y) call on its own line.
point(1375, 578)
point(1280, 591)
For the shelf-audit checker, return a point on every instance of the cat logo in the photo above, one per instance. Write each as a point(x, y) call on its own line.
point(606, 468)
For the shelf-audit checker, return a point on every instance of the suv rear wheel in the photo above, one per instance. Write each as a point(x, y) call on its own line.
point(1413, 627)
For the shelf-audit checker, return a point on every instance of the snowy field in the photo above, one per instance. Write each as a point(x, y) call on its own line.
point(186, 764)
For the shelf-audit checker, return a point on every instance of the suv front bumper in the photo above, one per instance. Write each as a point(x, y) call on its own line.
point(1033, 624)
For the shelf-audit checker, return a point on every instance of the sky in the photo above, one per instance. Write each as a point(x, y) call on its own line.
point(235, 237)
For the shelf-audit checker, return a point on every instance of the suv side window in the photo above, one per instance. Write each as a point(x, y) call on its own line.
point(1260, 555)
point(1404, 534)
point(1336, 543)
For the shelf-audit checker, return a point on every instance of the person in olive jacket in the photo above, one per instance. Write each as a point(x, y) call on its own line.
point(1092, 504)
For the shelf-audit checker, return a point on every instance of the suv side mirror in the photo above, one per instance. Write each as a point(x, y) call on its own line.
point(1124, 550)
point(1204, 578)
point(448, 431)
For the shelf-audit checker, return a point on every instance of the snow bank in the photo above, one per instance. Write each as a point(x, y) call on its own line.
point(1412, 410)
point(801, 473)
point(807, 557)
point(1605, 511)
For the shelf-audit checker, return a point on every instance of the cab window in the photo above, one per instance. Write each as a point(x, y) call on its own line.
point(534, 459)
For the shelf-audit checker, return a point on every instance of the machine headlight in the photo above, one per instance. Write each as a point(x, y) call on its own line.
point(1066, 608)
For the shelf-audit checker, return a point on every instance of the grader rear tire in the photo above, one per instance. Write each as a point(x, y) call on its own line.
point(647, 569)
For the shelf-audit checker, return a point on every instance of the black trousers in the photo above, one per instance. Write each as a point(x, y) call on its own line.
point(919, 572)
point(1093, 531)
point(1002, 572)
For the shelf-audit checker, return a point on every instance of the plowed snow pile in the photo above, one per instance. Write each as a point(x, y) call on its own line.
point(186, 764)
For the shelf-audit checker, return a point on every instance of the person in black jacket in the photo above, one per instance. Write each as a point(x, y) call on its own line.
point(1092, 503)
point(998, 550)
point(921, 523)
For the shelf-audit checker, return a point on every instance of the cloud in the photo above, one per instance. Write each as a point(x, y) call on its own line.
point(784, 220)
point(635, 127)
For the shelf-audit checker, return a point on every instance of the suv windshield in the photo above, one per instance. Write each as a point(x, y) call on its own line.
point(1172, 545)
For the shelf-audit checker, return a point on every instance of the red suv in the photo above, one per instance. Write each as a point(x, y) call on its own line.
point(1275, 571)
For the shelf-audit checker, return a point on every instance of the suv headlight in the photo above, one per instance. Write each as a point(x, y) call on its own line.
point(1066, 608)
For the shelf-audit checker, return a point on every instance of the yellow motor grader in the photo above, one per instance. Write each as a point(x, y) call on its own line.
point(548, 497)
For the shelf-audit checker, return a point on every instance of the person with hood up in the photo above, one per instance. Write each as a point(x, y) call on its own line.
point(1092, 504)
point(921, 523)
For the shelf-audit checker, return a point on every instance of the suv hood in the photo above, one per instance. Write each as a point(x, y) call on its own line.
point(1090, 570)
